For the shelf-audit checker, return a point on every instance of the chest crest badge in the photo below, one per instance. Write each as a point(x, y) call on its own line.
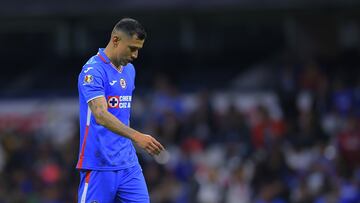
point(123, 83)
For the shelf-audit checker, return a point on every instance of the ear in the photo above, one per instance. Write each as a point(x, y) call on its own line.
point(116, 40)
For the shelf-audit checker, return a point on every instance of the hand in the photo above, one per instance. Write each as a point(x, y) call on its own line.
point(148, 143)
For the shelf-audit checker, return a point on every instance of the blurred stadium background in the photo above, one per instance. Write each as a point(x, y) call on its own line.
point(255, 101)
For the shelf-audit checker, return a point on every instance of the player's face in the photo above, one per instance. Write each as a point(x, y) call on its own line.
point(127, 49)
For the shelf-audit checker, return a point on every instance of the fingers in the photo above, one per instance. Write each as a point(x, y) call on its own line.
point(151, 145)
point(157, 150)
point(159, 145)
point(149, 151)
point(154, 147)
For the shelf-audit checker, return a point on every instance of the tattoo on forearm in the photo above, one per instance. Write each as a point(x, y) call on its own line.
point(99, 108)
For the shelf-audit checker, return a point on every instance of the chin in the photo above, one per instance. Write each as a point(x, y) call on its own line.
point(124, 63)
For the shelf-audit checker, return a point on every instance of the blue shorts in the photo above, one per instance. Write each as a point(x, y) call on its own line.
point(126, 185)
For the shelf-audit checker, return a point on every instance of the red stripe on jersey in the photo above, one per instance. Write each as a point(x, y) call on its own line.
point(120, 69)
point(87, 176)
point(102, 58)
point(81, 159)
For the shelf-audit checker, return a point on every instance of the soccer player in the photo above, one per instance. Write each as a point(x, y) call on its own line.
point(108, 165)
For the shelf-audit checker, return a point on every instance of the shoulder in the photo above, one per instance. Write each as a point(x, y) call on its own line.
point(90, 74)
point(93, 66)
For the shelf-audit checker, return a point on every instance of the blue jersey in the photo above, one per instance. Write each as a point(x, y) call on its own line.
point(101, 149)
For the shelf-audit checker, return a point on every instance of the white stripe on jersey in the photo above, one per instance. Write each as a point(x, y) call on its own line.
point(88, 116)
point(83, 196)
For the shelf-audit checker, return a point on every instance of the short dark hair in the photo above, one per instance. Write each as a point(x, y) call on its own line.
point(130, 27)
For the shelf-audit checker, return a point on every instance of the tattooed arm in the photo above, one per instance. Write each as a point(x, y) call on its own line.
point(103, 117)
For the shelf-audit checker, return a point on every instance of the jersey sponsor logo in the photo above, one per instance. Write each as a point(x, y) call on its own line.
point(87, 69)
point(113, 102)
point(112, 82)
point(123, 83)
point(88, 79)
point(121, 102)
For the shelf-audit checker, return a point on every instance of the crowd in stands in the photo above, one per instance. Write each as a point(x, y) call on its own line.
point(311, 153)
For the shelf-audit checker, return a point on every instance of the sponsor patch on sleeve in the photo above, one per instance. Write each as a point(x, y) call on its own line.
point(88, 79)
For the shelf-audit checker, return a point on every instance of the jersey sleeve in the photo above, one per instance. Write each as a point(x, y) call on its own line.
point(91, 83)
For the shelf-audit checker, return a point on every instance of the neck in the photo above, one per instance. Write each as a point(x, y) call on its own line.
point(108, 52)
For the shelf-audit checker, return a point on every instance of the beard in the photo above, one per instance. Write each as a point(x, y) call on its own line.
point(123, 62)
